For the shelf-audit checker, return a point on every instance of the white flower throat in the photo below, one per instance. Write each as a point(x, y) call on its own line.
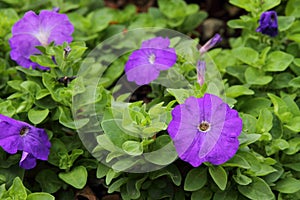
point(151, 58)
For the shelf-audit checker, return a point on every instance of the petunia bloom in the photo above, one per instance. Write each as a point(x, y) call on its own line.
point(268, 24)
point(145, 64)
point(210, 43)
point(201, 69)
point(17, 135)
point(205, 130)
point(38, 30)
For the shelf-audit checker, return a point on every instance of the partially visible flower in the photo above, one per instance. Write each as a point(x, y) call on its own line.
point(144, 64)
point(268, 24)
point(201, 69)
point(17, 135)
point(210, 43)
point(38, 30)
point(205, 130)
point(56, 9)
point(67, 51)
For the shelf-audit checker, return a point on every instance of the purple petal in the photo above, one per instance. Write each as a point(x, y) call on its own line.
point(158, 43)
point(27, 25)
point(165, 58)
point(23, 46)
point(28, 161)
point(9, 137)
point(183, 127)
point(37, 143)
point(142, 74)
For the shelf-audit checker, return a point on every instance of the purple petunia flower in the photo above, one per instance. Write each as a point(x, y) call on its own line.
point(17, 135)
point(144, 64)
point(210, 43)
point(38, 30)
point(205, 130)
point(201, 69)
point(268, 24)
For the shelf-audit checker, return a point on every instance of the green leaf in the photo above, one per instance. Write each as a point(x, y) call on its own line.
point(102, 170)
point(294, 146)
point(219, 175)
point(110, 175)
point(173, 8)
point(248, 5)
point(192, 21)
point(246, 55)
point(285, 22)
point(7, 109)
point(295, 82)
point(40, 196)
point(238, 90)
point(76, 177)
point(203, 194)
point(37, 116)
point(255, 76)
point(180, 94)
point(265, 121)
point(278, 61)
point(237, 161)
point(257, 190)
point(133, 148)
point(195, 179)
point(226, 195)
point(113, 130)
point(115, 186)
point(170, 171)
point(242, 179)
point(253, 106)
point(288, 185)
point(292, 8)
point(280, 108)
point(43, 60)
point(2, 190)
point(48, 181)
point(276, 145)
point(163, 156)
point(17, 190)
point(133, 187)
point(294, 124)
point(268, 4)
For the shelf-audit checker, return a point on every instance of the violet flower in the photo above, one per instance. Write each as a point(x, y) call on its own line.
point(145, 64)
point(17, 135)
point(268, 24)
point(38, 30)
point(201, 69)
point(210, 43)
point(205, 130)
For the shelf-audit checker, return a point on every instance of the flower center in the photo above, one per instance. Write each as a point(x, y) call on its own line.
point(24, 130)
point(42, 36)
point(151, 58)
point(204, 126)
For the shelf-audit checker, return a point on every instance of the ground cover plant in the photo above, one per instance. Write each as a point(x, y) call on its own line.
point(127, 100)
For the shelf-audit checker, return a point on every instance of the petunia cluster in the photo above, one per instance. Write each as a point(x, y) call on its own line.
point(38, 30)
point(20, 136)
point(203, 129)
